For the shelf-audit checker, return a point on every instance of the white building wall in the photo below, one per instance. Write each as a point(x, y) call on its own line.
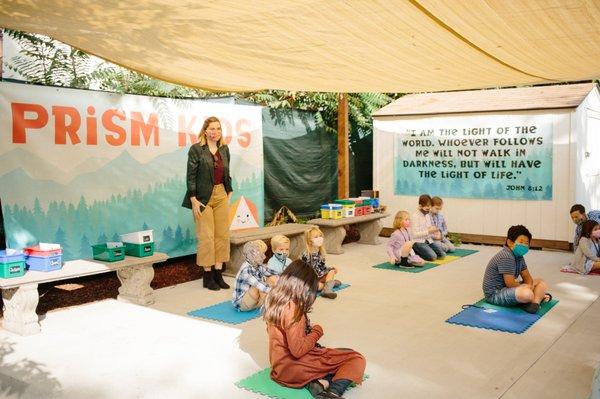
point(545, 219)
point(586, 151)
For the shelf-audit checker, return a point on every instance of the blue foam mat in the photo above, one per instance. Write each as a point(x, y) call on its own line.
point(492, 319)
point(338, 288)
point(225, 312)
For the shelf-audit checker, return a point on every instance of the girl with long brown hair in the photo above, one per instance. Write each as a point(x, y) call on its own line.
point(297, 360)
point(587, 254)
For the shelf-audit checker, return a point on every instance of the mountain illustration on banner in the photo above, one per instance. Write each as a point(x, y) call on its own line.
point(243, 214)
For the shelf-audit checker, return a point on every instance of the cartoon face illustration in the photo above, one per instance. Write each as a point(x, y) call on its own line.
point(243, 219)
point(243, 215)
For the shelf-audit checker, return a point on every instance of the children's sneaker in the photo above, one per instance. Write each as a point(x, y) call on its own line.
point(328, 395)
point(531, 307)
point(328, 294)
point(315, 388)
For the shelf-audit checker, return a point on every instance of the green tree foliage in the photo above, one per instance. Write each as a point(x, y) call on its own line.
point(43, 60)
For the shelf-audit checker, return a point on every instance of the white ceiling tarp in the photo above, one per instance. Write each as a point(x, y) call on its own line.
point(333, 45)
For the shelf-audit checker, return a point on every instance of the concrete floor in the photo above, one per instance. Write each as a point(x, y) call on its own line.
point(110, 349)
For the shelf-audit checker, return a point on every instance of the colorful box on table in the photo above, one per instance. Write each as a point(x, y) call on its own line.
point(370, 193)
point(139, 243)
point(138, 237)
point(105, 253)
point(348, 207)
point(43, 259)
point(139, 250)
point(332, 211)
point(12, 264)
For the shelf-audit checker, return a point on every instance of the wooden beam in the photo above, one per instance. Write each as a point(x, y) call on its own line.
point(343, 148)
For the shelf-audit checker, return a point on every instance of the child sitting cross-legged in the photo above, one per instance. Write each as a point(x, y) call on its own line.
point(254, 280)
point(315, 257)
point(501, 284)
point(399, 246)
point(438, 220)
point(297, 359)
point(587, 254)
point(280, 245)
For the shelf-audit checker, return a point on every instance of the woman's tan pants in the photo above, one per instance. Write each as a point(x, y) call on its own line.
point(212, 230)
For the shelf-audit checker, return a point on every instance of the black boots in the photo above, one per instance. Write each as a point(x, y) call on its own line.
point(218, 278)
point(208, 280)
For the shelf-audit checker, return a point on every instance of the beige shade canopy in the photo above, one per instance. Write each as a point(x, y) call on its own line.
point(329, 45)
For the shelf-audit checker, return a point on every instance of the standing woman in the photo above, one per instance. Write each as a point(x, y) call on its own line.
point(208, 193)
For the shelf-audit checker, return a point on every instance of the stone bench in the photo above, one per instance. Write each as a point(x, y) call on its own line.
point(293, 231)
point(21, 297)
point(369, 227)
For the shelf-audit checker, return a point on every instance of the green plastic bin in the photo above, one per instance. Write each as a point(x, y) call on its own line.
point(102, 252)
point(139, 250)
point(344, 202)
point(12, 269)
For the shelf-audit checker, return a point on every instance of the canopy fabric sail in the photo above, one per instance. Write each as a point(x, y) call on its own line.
point(336, 45)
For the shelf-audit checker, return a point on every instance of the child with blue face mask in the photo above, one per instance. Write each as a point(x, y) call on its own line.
point(280, 245)
point(501, 285)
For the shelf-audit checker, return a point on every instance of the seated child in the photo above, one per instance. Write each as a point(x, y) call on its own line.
point(587, 254)
point(399, 246)
point(422, 231)
point(297, 360)
point(500, 281)
point(254, 280)
point(438, 221)
point(280, 245)
point(315, 257)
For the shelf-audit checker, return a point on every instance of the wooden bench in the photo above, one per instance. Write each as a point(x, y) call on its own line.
point(21, 297)
point(237, 238)
point(369, 227)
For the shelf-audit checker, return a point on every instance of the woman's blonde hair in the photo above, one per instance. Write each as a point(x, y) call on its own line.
point(202, 136)
point(297, 285)
point(400, 216)
point(308, 240)
point(279, 240)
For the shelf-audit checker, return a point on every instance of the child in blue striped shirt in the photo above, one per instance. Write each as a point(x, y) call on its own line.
point(438, 220)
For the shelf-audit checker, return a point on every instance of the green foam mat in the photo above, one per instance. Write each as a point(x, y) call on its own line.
point(544, 307)
point(261, 383)
point(388, 266)
point(463, 252)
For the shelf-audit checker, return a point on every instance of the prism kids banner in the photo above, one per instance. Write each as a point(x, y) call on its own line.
point(81, 167)
point(495, 157)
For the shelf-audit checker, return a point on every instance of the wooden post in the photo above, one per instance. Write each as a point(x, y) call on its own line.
point(343, 148)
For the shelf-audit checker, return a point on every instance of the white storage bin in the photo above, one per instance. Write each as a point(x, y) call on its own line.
point(138, 237)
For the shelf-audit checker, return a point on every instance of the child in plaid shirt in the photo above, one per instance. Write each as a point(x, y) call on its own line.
point(437, 219)
point(254, 280)
point(315, 257)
